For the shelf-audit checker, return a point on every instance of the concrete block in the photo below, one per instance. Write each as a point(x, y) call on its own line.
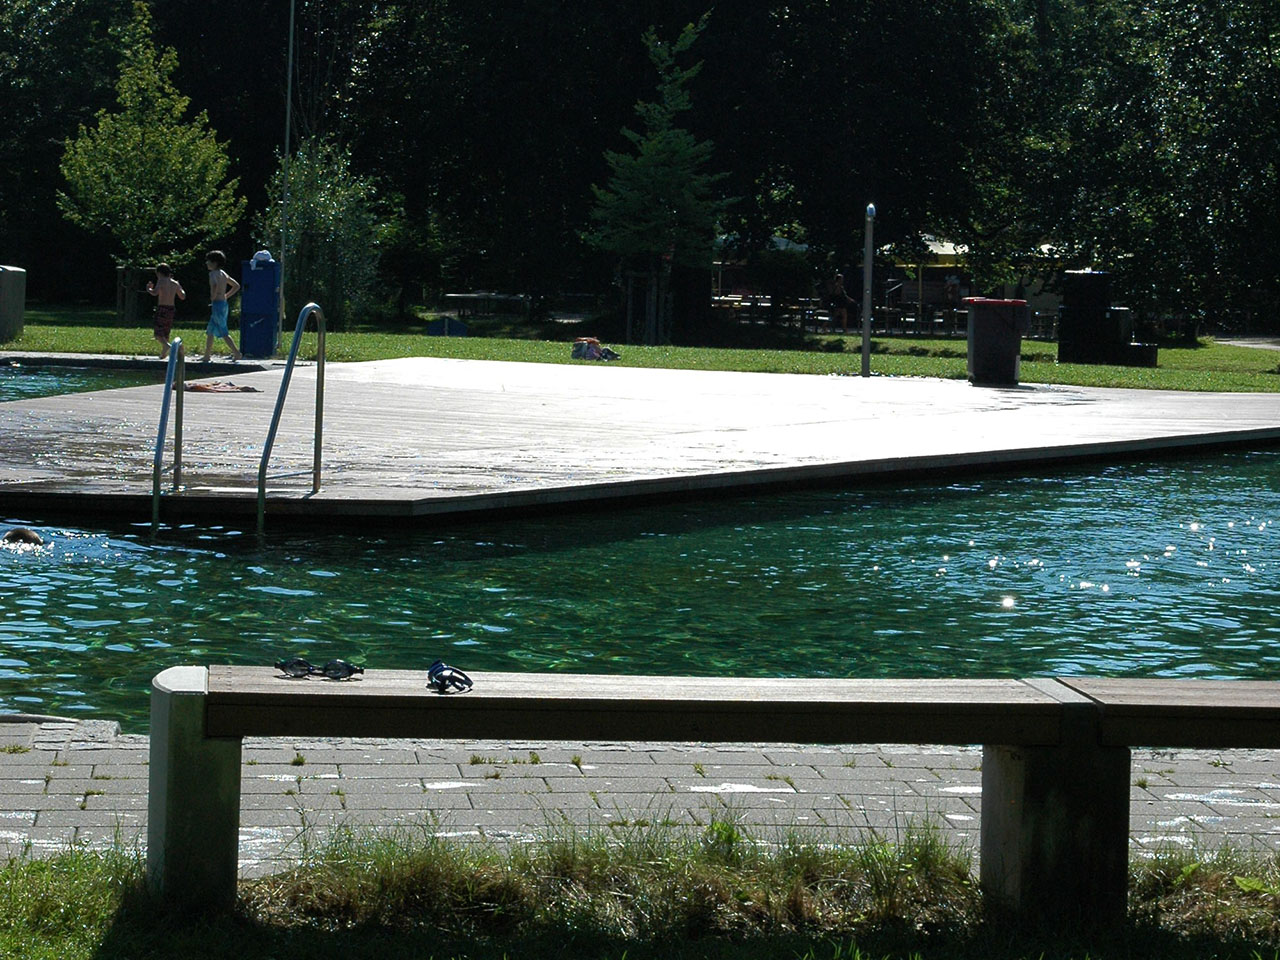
point(194, 814)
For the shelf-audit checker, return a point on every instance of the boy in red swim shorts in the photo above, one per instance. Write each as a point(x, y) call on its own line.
point(164, 288)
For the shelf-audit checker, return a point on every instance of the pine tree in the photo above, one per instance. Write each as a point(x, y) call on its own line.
point(155, 183)
point(660, 207)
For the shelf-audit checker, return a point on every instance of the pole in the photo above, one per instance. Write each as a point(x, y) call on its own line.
point(866, 289)
point(284, 205)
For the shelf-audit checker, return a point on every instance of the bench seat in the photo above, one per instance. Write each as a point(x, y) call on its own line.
point(257, 701)
point(1055, 770)
point(1164, 712)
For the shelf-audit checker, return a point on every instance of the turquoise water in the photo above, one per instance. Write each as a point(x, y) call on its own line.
point(1163, 568)
point(25, 383)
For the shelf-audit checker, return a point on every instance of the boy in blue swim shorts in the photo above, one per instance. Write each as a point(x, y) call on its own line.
point(221, 289)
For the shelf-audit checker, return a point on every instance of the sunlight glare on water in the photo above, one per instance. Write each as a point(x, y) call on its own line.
point(1159, 568)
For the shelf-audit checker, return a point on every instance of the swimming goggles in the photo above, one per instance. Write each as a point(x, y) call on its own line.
point(334, 669)
point(441, 678)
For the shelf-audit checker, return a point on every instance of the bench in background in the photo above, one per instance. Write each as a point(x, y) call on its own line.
point(1055, 773)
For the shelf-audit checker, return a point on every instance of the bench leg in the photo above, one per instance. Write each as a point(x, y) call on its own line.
point(193, 808)
point(1055, 831)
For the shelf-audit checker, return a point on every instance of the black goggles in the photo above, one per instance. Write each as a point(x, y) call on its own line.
point(334, 669)
point(442, 678)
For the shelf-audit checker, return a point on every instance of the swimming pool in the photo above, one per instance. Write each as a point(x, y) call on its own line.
point(1162, 568)
point(21, 382)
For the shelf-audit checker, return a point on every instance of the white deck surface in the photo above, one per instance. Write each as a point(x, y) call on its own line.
point(425, 436)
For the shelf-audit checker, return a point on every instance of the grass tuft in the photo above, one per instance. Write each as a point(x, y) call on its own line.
point(640, 890)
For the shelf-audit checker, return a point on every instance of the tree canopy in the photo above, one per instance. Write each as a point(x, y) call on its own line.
point(1137, 137)
point(155, 183)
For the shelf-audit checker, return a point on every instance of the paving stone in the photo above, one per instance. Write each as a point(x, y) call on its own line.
point(77, 771)
point(40, 841)
point(106, 837)
point(269, 817)
point(271, 784)
point(25, 771)
point(384, 771)
point(88, 818)
point(23, 787)
point(538, 801)
point(272, 752)
point(407, 801)
point(132, 801)
point(104, 753)
point(33, 757)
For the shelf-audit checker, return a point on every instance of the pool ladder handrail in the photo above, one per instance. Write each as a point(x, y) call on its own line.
point(175, 372)
point(307, 311)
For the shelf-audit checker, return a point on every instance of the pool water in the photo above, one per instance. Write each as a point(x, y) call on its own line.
point(1158, 569)
point(25, 383)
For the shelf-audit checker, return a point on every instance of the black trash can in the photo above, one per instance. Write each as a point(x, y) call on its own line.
point(995, 339)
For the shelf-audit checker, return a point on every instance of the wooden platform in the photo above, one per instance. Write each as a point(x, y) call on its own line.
point(427, 438)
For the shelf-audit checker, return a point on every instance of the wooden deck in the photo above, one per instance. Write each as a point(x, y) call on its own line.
point(430, 437)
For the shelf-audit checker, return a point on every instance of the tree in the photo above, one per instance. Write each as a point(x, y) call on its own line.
point(335, 231)
point(57, 64)
point(1149, 149)
point(660, 208)
point(154, 182)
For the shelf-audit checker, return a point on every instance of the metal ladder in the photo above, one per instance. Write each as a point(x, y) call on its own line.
point(307, 311)
point(175, 373)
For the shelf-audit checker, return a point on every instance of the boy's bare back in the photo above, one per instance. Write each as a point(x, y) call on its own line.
point(167, 291)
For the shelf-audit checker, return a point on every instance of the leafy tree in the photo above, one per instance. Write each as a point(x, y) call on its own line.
point(1149, 149)
point(154, 182)
point(57, 63)
point(336, 226)
point(660, 208)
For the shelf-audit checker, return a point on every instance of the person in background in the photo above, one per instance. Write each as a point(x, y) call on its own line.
point(838, 303)
point(221, 289)
point(167, 292)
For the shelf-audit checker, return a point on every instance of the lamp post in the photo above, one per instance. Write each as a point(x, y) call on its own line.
point(284, 203)
point(866, 289)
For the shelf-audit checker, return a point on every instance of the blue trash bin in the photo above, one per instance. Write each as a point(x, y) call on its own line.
point(259, 305)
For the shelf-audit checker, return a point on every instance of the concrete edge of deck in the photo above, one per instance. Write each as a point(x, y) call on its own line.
point(392, 505)
point(104, 361)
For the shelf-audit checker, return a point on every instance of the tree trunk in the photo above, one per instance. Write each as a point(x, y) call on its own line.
point(651, 309)
point(129, 288)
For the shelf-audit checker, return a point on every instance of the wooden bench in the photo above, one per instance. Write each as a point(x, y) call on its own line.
point(1055, 769)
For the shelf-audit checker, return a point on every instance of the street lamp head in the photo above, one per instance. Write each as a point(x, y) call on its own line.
point(871, 211)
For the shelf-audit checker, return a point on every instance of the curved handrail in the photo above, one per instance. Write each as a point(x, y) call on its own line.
point(175, 371)
point(308, 310)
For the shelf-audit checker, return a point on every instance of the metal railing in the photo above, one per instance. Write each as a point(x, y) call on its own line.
point(175, 373)
point(307, 311)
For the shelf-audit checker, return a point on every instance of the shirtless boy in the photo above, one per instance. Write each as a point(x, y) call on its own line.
point(221, 289)
point(164, 288)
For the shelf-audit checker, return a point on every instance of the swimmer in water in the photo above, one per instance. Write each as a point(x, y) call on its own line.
point(23, 535)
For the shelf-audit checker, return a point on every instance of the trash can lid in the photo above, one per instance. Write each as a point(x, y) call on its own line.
point(996, 303)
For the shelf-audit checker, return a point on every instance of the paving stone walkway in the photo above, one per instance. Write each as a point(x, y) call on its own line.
point(68, 782)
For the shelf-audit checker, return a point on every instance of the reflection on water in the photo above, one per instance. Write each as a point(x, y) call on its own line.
point(1158, 569)
point(24, 383)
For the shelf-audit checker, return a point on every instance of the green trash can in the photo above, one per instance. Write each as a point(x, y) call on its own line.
point(13, 302)
point(995, 340)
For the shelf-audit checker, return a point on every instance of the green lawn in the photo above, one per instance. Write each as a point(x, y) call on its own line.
point(1205, 366)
